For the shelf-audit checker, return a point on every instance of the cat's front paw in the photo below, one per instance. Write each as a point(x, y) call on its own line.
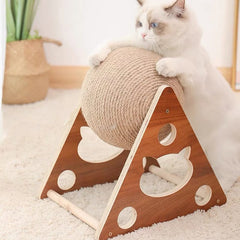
point(97, 58)
point(167, 67)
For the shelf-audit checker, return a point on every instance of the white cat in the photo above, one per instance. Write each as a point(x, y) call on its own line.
point(170, 29)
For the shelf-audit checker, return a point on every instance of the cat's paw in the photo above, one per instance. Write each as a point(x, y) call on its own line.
point(167, 67)
point(97, 58)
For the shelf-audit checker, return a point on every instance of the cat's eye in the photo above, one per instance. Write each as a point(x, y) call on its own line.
point(139, 24)
point(154, 25)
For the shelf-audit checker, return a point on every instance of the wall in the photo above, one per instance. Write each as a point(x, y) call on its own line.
point(82, 24)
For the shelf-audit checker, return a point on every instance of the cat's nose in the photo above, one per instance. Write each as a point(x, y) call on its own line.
point(144, 35)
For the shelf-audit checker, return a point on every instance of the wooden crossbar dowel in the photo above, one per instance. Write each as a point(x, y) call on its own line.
point(171, 178)
point(79, 213)
point(165, 174)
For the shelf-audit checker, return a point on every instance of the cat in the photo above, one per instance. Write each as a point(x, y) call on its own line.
point(171, 30)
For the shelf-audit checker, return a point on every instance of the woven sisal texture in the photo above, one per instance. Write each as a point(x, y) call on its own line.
point(117, 95)
point(26, 72)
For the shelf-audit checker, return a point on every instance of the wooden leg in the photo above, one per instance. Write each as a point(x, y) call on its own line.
point(79, 213)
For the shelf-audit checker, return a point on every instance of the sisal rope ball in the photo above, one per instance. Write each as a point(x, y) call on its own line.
point(117, 94)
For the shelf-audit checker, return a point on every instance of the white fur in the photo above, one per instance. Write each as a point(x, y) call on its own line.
point(209, 102)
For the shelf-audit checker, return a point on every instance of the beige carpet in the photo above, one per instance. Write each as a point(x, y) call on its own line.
point(33, 133)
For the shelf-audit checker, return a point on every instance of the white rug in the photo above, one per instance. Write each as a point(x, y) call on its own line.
point(26, 157)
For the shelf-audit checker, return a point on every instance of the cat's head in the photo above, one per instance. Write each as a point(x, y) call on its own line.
point(165, 23)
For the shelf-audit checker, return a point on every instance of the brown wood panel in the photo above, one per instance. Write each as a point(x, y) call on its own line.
point(150, 209)
point(87, 174)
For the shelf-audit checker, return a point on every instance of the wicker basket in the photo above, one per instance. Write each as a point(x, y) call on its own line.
point(26, 72)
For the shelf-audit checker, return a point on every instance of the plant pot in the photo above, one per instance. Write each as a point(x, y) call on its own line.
point(26, 76)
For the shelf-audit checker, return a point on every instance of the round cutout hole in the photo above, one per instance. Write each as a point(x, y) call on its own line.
point(66, 180)
point(167, 134)
point(127, 217)
point(203, 195)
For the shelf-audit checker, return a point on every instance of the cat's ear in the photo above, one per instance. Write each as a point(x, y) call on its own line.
point(177, 9)
point(141, 2)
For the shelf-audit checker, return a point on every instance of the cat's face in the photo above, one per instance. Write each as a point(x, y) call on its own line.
point(151, 24)
point(161, 21)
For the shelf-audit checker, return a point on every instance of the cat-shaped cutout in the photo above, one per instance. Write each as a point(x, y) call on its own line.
point(94, 150)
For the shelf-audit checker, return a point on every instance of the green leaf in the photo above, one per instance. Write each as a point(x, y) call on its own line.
point(20, 16)
point(19, 8)
point(30, 11)
point(13, 9)
point(10, 23)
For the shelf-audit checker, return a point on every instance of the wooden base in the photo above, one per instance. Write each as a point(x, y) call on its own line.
point(145, 209)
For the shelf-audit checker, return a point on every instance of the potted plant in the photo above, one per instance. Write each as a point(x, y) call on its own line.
point(26, 69)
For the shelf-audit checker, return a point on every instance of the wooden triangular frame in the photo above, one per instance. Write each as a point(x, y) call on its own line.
point(165, 109)
point(87, 173)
